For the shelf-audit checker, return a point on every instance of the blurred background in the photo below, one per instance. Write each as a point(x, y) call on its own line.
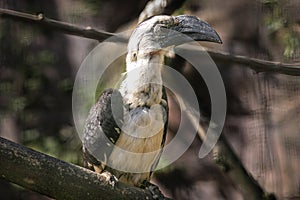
point(38, 67)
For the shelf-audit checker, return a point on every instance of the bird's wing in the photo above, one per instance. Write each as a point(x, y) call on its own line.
point(102, 129)
point(166, 107)
point(164, 104)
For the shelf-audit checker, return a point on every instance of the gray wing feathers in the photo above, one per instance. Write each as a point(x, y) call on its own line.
point(102, 127)
point(166, 107)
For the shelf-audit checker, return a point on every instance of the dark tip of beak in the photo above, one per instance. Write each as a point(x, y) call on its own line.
point(196, 29)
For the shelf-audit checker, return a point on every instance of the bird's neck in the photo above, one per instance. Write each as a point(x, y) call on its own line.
point(143, 83)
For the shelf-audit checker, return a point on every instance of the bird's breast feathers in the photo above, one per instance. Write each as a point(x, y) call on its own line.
point(139, 144)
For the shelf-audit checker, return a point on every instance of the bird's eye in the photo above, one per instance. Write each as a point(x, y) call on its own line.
point(133, 57)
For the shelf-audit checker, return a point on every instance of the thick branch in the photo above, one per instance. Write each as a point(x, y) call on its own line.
point(256, 64)
point(58, 179)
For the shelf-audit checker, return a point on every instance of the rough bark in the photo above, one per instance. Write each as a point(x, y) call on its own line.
point(58, 179)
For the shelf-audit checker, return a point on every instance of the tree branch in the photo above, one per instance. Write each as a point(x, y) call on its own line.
point(58, 179)
point(255, 64)
point(64, 27)
point(226, 159)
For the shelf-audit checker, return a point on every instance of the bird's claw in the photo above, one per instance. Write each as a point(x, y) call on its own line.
point(155, 191)
point(109, 178)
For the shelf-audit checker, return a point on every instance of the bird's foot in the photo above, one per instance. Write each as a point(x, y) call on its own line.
point(155, 191)
point(109, 178)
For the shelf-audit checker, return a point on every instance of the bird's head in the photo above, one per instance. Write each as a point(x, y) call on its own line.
point(159, 32)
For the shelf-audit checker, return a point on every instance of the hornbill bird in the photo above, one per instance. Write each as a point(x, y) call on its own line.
point(126, 128)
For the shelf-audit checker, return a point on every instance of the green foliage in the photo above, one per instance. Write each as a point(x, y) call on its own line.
point(292, 43)
point(93, 6)
point(78, 10)
point(66, 85)
point(35, 87)
point(18, 104)
point(269, 1)
point(41, 58)
point(278, 23)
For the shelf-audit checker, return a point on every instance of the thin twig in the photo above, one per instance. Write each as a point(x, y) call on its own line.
point(64, 27)
point(255, 64)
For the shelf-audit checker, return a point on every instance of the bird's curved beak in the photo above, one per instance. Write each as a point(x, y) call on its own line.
point(196, 29)
point(192, 27)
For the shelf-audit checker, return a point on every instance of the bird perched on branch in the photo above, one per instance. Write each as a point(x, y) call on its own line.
point(126, 128)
